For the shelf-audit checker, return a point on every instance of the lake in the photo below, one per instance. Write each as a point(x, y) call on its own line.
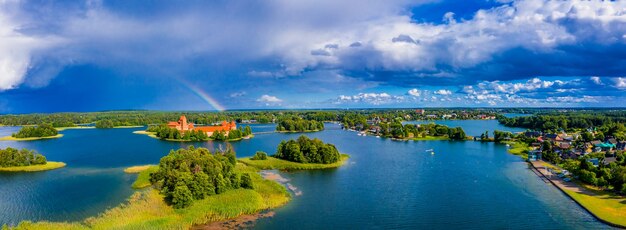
point(386, 184)
point(472, 127)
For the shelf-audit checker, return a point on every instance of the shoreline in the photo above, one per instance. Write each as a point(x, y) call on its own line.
point(568, 188)
point(50, 165)
point(280, 164)
point(11, 138)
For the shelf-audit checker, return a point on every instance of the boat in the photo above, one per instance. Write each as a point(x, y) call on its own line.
point(429, 150)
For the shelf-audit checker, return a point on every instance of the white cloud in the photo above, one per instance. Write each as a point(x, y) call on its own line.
point(443, 92)
point(620, 82)
point(269, 99)
point(414, 92)
point(238, 94)
point(369, 98)
point(596, 80)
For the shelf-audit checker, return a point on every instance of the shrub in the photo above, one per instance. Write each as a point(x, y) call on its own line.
point(246, 181)
point(259, 155)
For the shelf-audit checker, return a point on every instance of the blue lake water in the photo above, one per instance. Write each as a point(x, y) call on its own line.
point(472, 127)
point(386, 184)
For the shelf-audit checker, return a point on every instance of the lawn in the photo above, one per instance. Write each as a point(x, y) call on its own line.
point(606, 206)
point(34, 168)
point(275, 163)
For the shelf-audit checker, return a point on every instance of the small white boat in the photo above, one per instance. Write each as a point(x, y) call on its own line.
point(429, 150)
point(377, 136)
point(432, 153)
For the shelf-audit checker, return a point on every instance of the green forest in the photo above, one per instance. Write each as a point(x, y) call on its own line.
point(11, 157)
point(186, 175)
point(305, 150)
point(165, 132)
point(42, 130)
point(299, 125)
point(400, 131)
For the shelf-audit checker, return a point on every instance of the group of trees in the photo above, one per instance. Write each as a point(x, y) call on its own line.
point(605, 122)
point(299, 125)
point(232, 134)
point(611, 175)
point(11, 157)
point(192, 174)
point(398, 130)
point(42, 130)
point(164, 132)
point(305, 150)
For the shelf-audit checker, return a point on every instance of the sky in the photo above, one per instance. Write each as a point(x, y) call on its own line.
point(64, 56)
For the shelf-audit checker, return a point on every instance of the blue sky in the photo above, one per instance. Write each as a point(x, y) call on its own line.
point(256, 54)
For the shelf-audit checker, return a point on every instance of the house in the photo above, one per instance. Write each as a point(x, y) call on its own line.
point(432, 116)
point(611, 140)
point(621, 145)
point(563, 145)
point(609, 160)
point(420, 111)
point(594, 161)
point(605, 146)
point(534, 155)
point(532, 133)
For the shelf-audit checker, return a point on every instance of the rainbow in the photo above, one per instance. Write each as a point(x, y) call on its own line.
point(205, 96)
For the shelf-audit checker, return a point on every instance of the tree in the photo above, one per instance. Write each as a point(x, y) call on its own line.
point(181, 196)
point(246, 181)
point(259, 155)
point(305, 150)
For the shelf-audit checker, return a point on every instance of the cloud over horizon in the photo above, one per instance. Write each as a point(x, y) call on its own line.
point(317, 50)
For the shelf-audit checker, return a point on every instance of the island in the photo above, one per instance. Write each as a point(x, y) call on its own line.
point(299, 125)
point(29, 133)
point(182, 130)
point(24, 160)
point(416, 132)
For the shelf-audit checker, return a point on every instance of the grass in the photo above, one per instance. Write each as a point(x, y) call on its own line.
point(305, 131)
point(275, 163)
point(10, 138)
point(147, 210)
point(34, 168)
point(604, 205)
point(518, 148)
point(144, 171)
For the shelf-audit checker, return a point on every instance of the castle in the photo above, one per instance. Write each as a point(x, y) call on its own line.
point(183, 126)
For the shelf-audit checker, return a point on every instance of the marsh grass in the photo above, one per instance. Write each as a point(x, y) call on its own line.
point(10, 138)
point(34, 168)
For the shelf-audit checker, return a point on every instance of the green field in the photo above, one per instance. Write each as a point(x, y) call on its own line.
point(147, 210)
point(519, 148)
point(275, 163)
point(606, 206)
point(10, 138)
point(34, 168)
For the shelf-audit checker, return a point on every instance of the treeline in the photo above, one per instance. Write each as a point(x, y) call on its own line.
point(611, 176)
point(11, 157)
point(299, 125)
point(42, 130)
point(165, 132)
point(186, 175)
point(568, 121)
point(400, 131)
point(305, 150)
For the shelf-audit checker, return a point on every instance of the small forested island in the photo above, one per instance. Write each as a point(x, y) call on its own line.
point(303, 153)
point(299, 125)
point(27, 133)
point(24, 160)
point(419, 132)
point(189, 187)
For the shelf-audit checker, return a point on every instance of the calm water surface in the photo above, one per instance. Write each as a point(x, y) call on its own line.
point(386, 184)
point(472, 127)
